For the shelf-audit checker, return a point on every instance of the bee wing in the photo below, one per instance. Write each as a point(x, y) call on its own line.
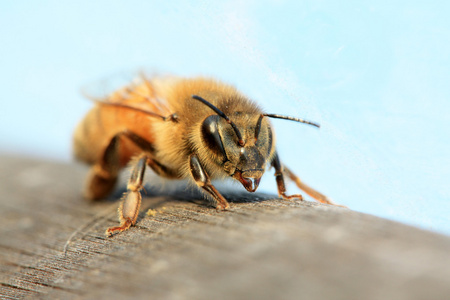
point(137, 94)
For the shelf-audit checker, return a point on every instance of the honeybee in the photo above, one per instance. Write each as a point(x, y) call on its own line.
point(197, 129)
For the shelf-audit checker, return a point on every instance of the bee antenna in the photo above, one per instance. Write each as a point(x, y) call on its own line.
point(258, 124)
point(223, 115)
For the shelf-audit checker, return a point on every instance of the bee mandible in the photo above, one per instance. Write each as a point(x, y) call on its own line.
point(197, 129)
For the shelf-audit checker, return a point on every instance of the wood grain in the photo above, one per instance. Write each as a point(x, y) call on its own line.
point(263, 248)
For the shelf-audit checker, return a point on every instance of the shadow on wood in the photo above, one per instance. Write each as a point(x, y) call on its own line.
point(272, 249)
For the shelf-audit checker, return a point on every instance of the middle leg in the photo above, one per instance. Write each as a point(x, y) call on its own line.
point(129, 209)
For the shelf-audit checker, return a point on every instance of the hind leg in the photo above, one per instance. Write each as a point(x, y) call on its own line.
point(309, 190)
point(280, 171)
point(102, 176)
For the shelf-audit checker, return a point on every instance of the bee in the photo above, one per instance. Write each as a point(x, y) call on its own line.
point(197, 129)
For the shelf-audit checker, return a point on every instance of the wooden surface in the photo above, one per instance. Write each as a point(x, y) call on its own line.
point(262, 248)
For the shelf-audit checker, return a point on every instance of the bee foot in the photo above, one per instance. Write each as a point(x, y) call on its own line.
point(297, 197)
point(113, 230)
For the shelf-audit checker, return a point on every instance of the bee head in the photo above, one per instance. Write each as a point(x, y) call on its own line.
point(243, 145)
point(235, 145)
point(245, 163)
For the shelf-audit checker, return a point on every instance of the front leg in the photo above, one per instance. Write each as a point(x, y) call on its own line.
point(279, 177)
point(201, 178)
point(129, 209)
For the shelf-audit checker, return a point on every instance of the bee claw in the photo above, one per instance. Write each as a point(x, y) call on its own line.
point(222, 207)
point(114, 230)
point(289, 197)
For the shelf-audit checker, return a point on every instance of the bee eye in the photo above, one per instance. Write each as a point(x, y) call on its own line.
point(211, 136)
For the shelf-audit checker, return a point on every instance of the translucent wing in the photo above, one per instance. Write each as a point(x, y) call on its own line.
point(139, 94)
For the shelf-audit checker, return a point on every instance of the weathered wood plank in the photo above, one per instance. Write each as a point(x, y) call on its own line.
point(261, 249)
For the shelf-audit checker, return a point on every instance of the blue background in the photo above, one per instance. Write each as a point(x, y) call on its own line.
point(374, 74)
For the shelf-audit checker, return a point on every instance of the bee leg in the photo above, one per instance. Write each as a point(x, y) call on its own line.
point(279, 177)
point(279, 170)
point(129, 209)
point(102, 177)
point(201, 178)
point(162, 170)
point(309, 190)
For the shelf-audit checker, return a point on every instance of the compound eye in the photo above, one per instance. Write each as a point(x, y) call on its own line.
point(211, 136)
point(265, 139)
